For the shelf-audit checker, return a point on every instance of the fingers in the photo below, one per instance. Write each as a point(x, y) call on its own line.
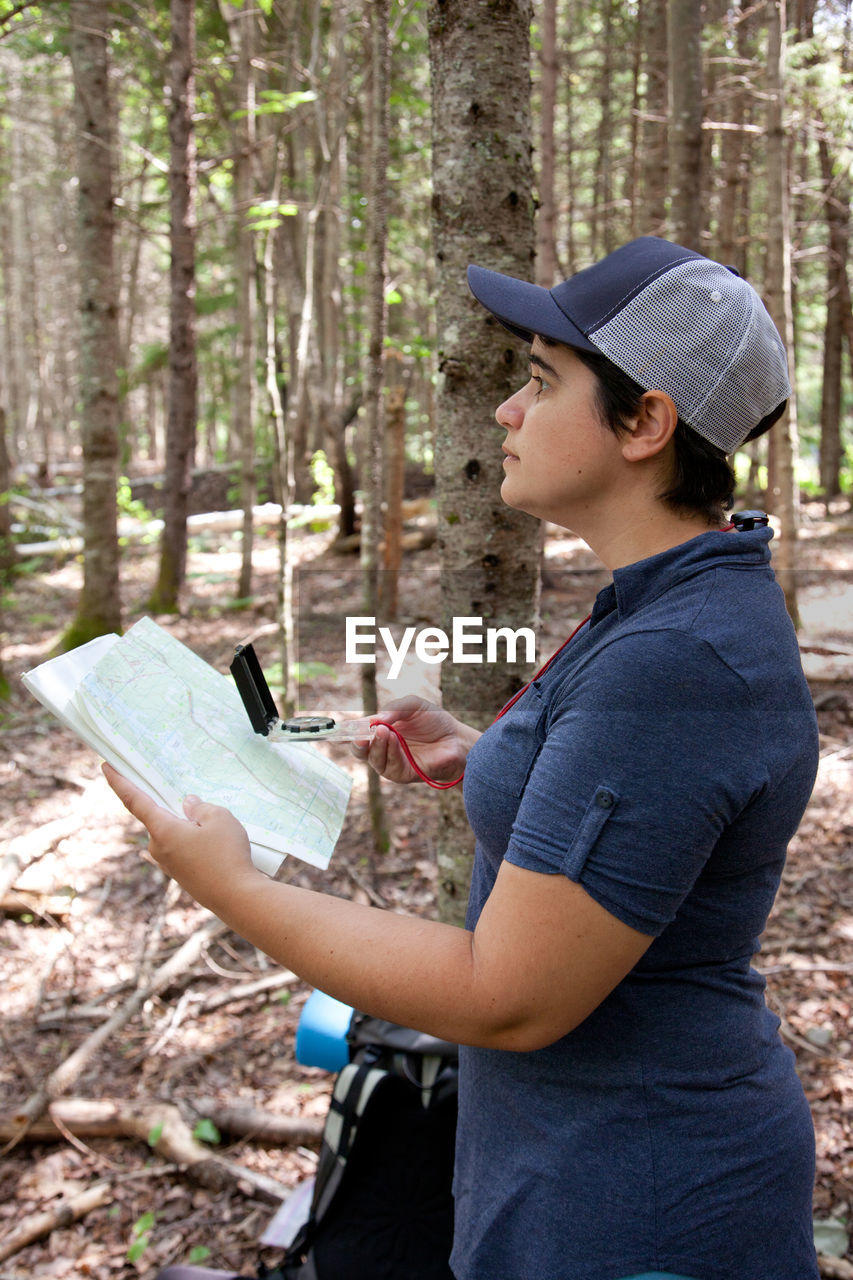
point(132, 797)
point(400, 709)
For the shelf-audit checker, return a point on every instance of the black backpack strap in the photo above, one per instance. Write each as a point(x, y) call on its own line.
point(352, 1091)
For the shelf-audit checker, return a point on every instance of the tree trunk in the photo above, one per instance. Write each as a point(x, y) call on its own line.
point(602, 199)
point(735, 153)
point(654, 135)
point(838, 225)
point(241, 30)
point(547, 267)
point(395, 477)
point(684, 49)
point(99, 609)
point(482, 212)
point(373, 421)
point(183, 369)
point(783, 496)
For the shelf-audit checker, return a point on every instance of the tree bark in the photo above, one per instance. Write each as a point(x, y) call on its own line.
point(373, 420)
point(686, 102)
point(783, 495)
point(99, 608)
point(837, 198)
point(654, 134)
point(183, 368)
point(547, 267)
point(482, 212)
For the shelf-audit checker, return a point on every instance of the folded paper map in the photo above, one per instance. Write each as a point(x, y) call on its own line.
point(172, 724)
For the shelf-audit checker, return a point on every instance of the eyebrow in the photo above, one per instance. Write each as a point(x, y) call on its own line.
point(543, 364)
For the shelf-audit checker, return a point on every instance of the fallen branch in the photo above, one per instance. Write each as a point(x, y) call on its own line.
point(18, 902)
point(62, 1079)
point(107, 1118)
point(60, 1214)
point(245, 990)
point(242, 1120)
point(162, 1127)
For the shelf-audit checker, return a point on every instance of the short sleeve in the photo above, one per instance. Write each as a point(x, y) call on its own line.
point(636, 779)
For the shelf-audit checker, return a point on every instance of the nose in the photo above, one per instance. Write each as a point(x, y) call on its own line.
point(511, 413)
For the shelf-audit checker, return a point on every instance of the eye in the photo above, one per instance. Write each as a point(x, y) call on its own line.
point(541, 383)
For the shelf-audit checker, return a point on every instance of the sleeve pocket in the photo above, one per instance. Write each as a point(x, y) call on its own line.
point(599, 809)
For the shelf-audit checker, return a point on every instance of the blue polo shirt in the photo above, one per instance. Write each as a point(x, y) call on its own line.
point(663, 762)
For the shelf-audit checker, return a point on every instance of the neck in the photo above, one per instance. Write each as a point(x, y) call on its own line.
point(638, 535)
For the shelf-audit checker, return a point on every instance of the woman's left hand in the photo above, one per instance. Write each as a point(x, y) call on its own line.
point(206, 852)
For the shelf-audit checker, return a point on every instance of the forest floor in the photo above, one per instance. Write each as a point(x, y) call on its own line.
point(87, 924)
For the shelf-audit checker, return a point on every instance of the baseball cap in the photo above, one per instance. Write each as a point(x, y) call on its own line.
point(671, 319)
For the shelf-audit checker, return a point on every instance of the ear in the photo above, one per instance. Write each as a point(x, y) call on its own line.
point(652, 429)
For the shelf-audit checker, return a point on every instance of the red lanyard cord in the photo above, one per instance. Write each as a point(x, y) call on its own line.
point(445, 786)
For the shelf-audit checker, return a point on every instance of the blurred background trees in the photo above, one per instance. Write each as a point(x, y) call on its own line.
point(192, 198)
point(282, 129)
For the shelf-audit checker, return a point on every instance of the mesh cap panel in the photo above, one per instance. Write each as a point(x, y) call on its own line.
point(702, 335)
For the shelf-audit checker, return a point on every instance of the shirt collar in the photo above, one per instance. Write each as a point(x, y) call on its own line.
point(638, 584)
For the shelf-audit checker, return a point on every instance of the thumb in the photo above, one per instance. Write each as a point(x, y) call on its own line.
point(193, 806)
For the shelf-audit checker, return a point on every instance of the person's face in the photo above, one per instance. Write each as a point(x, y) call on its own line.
point(561, 459)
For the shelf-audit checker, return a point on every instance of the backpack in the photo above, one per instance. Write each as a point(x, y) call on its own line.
point(382, 1206)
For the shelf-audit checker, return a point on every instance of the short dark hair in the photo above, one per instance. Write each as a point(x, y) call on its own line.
point(703, 480)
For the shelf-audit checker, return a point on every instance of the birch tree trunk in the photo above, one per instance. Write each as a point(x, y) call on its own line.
point(783, 494)
point(99, 608)
point(183, 368)
point(684, 47)
point(482, 212)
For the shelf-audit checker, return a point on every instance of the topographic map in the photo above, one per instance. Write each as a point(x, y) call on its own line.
point(171, 723)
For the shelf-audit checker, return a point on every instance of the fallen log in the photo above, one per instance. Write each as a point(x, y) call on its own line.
point(242, 1120)
point(89, 1118)
point(162, 1127)
point(60, 1214)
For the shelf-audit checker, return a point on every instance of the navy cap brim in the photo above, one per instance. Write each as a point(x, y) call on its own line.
point(525, 309)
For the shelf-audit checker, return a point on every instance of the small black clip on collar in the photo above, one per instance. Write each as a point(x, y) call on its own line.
point(743, 521)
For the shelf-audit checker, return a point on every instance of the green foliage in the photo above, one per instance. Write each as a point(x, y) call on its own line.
point(155, 1134)
point(140, 1237)
point(324, 479)
point(199, 1253)
point(128, 505)
point(206, 1131)
point(306, 672)
point(267, 215)
point(275, 103)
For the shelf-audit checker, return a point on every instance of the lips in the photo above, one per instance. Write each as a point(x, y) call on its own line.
point(506, 451)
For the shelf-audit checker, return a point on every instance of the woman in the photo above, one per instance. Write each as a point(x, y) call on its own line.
point(626, 1104)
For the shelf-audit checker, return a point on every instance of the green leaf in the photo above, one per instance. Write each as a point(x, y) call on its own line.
point(206, 1131)
point(199, 1253)
point(141, 1237)
point(155, 1134)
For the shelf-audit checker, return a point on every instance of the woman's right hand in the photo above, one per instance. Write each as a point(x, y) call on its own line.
point(439, 743)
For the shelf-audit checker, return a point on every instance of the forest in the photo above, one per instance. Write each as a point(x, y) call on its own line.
point(246, 392)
